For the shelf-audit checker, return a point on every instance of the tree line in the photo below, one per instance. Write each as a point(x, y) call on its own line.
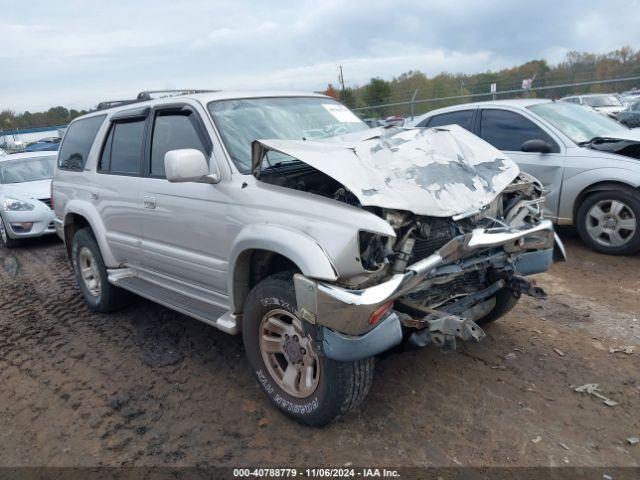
point(577, 67)
point(10, 120)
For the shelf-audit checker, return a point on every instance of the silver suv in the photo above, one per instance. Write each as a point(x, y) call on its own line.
point(284, 217)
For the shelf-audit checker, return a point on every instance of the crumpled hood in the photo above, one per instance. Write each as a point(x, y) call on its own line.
point(38, 189)
point(438, 172)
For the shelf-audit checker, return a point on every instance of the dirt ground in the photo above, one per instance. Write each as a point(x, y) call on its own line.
point(146, 386)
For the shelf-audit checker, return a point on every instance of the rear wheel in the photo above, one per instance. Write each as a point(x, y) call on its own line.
point(311, 388)
point(91, 274)
point(608, 222)
point(5, 239)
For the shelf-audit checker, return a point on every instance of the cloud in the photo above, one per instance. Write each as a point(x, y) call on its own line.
point(77, 53)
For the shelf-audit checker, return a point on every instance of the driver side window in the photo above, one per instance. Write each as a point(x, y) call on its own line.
point(507, 130)
point(173, 130)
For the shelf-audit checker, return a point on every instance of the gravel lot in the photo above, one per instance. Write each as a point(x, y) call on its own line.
point(146, 386)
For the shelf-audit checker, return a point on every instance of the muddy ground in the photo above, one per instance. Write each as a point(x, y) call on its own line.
point(147, 386)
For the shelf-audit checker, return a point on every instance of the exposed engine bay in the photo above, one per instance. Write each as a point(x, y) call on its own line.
point(417, 236)
point(467, 227)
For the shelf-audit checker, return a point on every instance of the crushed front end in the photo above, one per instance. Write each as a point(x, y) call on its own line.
point(437, 280)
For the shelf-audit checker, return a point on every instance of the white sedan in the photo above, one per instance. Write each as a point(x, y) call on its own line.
point(25, 196)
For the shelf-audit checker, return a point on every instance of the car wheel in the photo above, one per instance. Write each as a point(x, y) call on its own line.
point(305, 385)
point(5, 239)
point(91, 274)
point(608, 222)
point(505, 301)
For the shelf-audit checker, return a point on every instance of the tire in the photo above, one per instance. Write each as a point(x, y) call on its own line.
point(609, 222)
point(99, 294)
point(505, 301)
point(336, 387)
point(5, 239)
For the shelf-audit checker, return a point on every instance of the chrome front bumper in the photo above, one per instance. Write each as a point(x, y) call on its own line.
point(348, 310)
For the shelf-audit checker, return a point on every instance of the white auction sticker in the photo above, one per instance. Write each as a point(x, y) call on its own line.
point(341, 113)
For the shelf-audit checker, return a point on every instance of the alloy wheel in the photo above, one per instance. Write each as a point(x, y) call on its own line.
point(611, 223)
point(89, 271)
point(288, 354)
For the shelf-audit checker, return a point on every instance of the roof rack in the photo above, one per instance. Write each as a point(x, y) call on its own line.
point(115, 103)
point(149, 95)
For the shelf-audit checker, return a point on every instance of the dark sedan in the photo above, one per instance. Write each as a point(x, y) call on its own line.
point(630, 116)
point(49, 144)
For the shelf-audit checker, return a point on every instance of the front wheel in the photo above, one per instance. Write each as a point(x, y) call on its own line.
point(91, 274)
point(608, 222)
point(5, 239)
point(311, 388)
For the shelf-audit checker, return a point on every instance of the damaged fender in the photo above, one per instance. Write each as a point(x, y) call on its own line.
point(301, 249)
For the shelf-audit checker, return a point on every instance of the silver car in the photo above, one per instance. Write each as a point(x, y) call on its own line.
point(588, 164)
point(25, 196)
point(284, 217)
point(608, 104)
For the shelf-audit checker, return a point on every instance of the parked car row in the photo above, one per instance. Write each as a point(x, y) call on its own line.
point(624, 108)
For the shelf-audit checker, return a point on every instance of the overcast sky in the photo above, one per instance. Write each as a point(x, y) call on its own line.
point(76, 53)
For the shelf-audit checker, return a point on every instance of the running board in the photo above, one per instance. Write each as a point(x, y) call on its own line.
point(198, 308)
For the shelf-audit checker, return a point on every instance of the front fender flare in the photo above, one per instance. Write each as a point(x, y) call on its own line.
point(303, 250)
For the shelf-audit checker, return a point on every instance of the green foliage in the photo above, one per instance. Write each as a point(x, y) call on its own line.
point(447, 89)
point(10, 120)
point(376, 92)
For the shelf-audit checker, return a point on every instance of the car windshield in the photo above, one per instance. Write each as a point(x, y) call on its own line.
point(578, 123)
point(602, 101)
point(27, 169)
point(242, 121)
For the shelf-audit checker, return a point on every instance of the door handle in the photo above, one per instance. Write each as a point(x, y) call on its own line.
point(149, 202)
point(93, 196)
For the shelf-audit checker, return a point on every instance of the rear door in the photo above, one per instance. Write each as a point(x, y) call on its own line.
point(507, 130)
point(118, 182)
point(463, 118)
point(184, 224)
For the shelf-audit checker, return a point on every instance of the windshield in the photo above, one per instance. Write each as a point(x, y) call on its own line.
point(602, 101)
point(27, 169)
point(578, 123)
point(242, 121)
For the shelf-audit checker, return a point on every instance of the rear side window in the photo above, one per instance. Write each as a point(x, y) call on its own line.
point(509, 130)
point(77, 143)
point(462, 118)
point(122, 152)
point(172, 131)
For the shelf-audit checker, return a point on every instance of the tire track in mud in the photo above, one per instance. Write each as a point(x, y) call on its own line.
point(95, 364)
point(51, 312)
point(147, 386)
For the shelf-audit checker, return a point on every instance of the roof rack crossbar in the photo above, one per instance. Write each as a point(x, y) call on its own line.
point(115, 103)
point(147, 94)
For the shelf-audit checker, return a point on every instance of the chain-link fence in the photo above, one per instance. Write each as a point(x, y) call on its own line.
point(624, 90)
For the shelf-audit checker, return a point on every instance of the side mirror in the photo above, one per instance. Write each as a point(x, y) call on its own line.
point(188, 165)
point(536, 146)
